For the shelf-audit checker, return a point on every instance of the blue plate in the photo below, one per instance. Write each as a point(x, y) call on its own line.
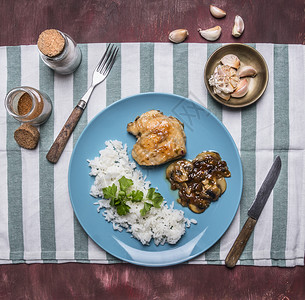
point(203, 131)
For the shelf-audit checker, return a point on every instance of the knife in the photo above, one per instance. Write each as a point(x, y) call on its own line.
point(254, 213)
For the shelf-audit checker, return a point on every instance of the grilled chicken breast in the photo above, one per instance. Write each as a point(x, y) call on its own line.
point(160, 138)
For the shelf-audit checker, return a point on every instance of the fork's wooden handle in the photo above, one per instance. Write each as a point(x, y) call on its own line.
point(64, 135)
point(240, 243)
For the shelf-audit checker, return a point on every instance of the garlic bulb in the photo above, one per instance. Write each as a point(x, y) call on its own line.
point(231, 60)
point(217, 12)
point(242, 89)
point(246, 71)
point(178, 35)
point(224, 80)
point(211, 34)
point(238, 27)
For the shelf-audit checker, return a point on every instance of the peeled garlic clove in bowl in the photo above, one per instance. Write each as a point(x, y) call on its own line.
point(217, 12)
point(246, 71)
point(224, 96)
point(178, 35)
point(242, 89)
point(231, 60)
point(211, 34)
point(238, 27)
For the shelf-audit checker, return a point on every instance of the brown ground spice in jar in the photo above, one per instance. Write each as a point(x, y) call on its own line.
point(24, 104)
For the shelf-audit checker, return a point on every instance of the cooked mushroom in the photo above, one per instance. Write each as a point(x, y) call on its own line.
point(222, 184)
point(205, 155)
point(200, 181)
point(213, 192)
point(196, 209)
point(179, 170)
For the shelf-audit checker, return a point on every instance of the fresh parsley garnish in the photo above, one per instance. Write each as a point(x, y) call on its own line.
point(125, 183)
point(136, 196)
point(155, 197)
point(122, 208)
point(119, 198)
point(110, 191)
point(146, 208)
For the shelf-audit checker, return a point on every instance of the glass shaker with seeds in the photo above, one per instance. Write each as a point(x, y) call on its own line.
point(28, 105)
point(58, 51)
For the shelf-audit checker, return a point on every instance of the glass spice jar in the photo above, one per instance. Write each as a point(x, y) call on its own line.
point(58, 51)
point(28, 105)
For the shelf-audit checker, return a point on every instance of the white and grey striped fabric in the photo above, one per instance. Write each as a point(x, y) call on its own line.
point(37, 223)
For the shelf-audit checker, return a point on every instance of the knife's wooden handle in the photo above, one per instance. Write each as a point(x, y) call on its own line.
point(60, 143)
point(240, 243)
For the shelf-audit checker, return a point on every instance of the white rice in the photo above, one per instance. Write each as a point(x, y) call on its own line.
point(164, 225)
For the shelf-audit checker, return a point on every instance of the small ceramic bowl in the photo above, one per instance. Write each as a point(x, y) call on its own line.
point(248, 57)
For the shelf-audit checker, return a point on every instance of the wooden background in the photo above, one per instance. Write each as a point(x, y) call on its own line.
point(277, 21)
point(280, 21)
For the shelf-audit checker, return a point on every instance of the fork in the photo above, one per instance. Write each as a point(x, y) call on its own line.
point(100, 73)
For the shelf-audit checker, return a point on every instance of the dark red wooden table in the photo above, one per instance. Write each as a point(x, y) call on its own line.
point(88, 21)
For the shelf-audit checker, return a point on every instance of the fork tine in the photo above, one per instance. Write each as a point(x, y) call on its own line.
point(102, 67)
point(111, 62)
point(103, 57)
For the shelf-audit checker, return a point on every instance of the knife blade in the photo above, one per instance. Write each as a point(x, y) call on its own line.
point(253, 213)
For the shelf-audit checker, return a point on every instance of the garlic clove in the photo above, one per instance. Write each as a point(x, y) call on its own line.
point(224, 96)
point(246, 71)
point(221, 71)
point(234, 81)
point(221, 94)
point(226, 88)
point(217, 12)
point(211, 34)
point(232, 72)
point(238, 27)
point(242, 89)
point(178, 35)
point(231, 60)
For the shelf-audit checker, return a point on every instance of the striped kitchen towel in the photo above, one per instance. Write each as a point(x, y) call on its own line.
point(37, 223)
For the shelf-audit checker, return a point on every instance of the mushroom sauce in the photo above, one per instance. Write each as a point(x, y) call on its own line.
point(200, 181)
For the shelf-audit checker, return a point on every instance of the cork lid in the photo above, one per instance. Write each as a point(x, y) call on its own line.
point(27, 136)
point(51, 42)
